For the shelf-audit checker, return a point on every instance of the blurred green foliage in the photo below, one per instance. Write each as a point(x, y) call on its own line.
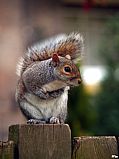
point(81, 115)
point(107, 101)
point(99, 114)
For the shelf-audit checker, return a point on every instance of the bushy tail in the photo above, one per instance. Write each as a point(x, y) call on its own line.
point(63, 45)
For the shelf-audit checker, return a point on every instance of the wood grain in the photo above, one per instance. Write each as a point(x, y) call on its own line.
point(6, 150)
point(42, 141)
point(101, 147)
point(0, 149)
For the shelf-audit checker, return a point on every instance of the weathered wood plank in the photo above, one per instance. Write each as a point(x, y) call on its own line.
point(41, 141)
point(6, 150)
point(0, 149)
point(101, 147)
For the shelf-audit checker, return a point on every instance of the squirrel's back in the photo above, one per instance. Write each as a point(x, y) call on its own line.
point(63, 45)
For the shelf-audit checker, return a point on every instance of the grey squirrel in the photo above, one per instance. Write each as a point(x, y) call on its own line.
point(46, 73)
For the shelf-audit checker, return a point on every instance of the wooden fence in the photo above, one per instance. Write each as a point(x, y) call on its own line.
point(54, 142)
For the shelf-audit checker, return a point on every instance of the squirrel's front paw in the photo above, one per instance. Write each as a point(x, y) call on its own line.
point(36, 121)
point(56, 93)
point(42, 93)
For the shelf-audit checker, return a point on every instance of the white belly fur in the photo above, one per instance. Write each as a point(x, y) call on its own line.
point(40, 108)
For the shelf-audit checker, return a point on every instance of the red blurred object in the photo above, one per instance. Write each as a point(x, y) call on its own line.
point(87, 5)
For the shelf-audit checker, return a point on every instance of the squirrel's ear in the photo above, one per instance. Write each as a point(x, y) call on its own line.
point(55, 59)
point(68, 57)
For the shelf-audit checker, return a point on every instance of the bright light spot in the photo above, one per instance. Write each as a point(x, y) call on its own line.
point(92, 74)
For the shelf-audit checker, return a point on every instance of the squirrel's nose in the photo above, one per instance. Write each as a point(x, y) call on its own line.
point(79, 81)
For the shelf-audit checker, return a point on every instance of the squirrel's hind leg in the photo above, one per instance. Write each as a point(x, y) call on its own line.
point(52, 120)
point(36, 121)
point(56, 120)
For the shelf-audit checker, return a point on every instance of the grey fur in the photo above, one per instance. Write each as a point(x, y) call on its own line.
point(44, 50)
point(42, 89)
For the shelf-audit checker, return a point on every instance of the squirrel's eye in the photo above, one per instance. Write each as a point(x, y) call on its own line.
point(67, 69)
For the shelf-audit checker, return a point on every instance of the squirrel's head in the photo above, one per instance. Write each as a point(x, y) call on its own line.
point(66, 70)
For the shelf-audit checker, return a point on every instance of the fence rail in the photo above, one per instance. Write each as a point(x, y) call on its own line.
point(47, 141)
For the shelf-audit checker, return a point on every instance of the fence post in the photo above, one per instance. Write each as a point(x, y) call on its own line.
point(100, 147)
point(0, 149)
point(44, 141)
point(6, 150)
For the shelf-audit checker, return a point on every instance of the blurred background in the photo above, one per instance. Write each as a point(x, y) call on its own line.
point(94, 106)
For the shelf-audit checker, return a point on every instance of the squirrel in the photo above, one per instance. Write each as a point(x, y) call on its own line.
point(46, 73)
